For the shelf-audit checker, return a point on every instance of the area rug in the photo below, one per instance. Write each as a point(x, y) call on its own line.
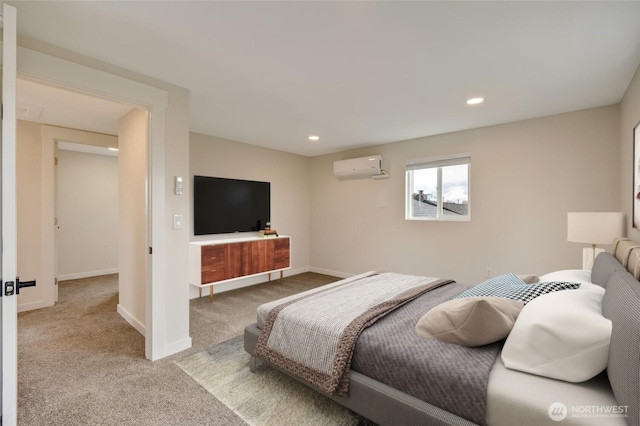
point(268, 397)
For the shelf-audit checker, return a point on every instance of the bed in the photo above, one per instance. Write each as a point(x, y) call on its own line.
point(530, 391)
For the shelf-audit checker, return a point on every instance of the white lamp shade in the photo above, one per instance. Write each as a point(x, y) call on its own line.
point(595, 227)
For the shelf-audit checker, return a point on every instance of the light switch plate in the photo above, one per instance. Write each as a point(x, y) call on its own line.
point(177, 221)
point(179, 186)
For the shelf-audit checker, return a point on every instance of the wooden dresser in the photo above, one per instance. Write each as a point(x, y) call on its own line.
point(218, 261)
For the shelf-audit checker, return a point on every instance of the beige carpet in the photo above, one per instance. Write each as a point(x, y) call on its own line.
point(80, 363)
point(267, 397)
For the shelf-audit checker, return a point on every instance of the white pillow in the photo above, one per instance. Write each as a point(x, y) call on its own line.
point(561, 335)
point(570, 275)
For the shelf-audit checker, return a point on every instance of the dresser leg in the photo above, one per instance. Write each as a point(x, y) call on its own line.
point(211, 293)
point(269, 276)
point(281, 275)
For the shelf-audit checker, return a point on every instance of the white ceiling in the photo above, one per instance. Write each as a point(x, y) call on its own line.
point(357, 73)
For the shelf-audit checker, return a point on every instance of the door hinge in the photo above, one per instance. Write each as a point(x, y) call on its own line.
point(150, 250)
point(55, 161)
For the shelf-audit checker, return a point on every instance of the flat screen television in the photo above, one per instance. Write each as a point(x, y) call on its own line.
point(222, 206)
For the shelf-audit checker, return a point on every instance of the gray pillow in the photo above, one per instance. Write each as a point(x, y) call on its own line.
point(621, 304)
point(603, 267)
point(470, 321)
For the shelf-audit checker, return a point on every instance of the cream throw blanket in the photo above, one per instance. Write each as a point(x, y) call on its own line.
point(313, 335)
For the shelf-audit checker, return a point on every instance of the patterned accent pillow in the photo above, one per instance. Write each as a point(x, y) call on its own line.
point(512, 287)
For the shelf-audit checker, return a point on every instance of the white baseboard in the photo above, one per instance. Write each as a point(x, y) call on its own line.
point(33, 305)
point(296, 271)
point(131, 319)
point(332, 273)
point(88, 274)
point(240, 283)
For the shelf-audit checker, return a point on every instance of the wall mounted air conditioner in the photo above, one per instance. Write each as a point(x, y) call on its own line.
point(358, 167)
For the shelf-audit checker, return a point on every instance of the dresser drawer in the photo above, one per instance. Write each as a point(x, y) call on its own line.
point(212, 264)
point(282, 253)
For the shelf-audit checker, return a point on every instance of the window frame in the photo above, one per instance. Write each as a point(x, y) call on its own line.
point(437, 162)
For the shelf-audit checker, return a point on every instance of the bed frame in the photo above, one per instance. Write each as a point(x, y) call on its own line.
point(385, 405)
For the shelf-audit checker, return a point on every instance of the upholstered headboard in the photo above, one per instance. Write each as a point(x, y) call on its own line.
point(621, 304)
point(633, 264)
point(627, 252)
point(621, 248)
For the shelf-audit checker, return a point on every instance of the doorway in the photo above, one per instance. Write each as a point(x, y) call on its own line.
point(86, 221)
point(166, 323)
point(79, 241)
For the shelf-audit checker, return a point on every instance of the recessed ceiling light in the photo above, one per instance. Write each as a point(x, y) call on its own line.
point(111, 148)
point(474, 101)
point(314, 138)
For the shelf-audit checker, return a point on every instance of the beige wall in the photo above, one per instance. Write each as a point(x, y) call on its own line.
point(176, 297)
point(29, 195)
point(525, 177)
point(629, 118)
point(87, 214)
point(132, 217)
point(290, 198)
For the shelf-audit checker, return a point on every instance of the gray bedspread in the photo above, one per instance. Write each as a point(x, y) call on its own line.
point(449, 376)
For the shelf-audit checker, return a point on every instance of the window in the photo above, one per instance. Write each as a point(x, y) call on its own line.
point(438, 188)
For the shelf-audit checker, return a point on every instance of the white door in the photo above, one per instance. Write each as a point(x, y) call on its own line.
point(9, 262)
